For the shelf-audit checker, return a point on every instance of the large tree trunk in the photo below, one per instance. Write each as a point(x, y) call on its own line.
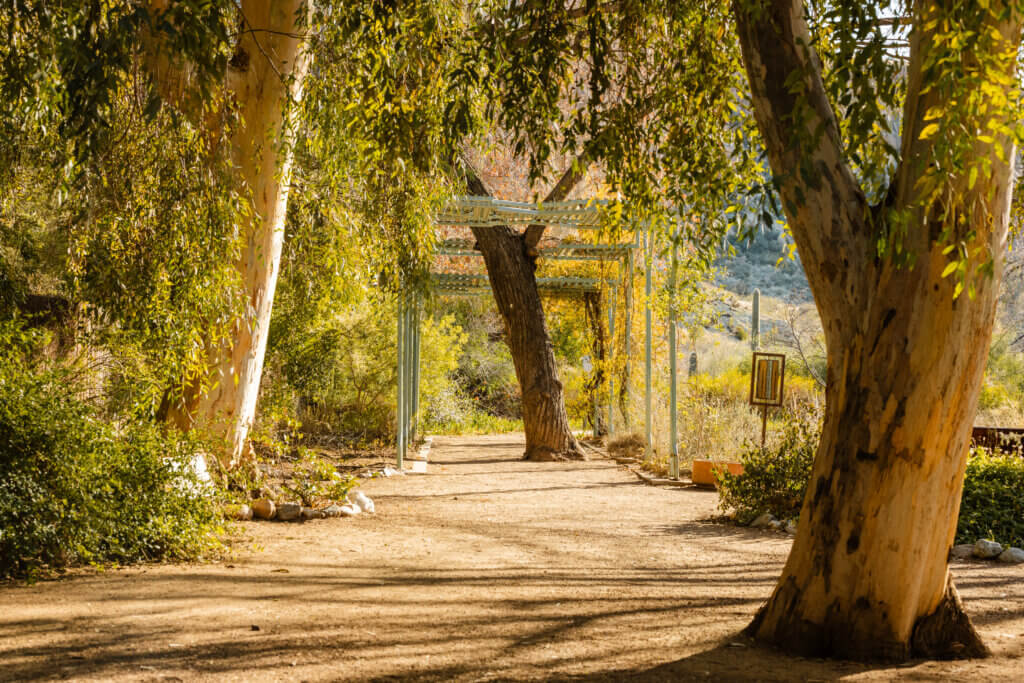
point(867, 577)
point(510, 260)
point(265, 82)
point(511, 272)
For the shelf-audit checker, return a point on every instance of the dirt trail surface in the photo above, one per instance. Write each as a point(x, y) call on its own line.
point(486, 568)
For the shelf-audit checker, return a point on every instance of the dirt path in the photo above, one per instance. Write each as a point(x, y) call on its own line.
point(487, 568)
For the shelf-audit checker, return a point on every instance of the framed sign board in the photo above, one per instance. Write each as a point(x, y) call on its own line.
point(767, 374)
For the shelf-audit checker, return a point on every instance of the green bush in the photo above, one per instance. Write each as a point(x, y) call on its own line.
point(343, 370)
point(314, 480)
point(76, 488)
point(992, 506)
point(774, 479)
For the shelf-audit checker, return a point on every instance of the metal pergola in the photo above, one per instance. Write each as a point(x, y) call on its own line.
point(473, 212)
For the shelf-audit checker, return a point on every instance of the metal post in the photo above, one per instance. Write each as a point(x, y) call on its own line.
point(408, 374)
point(673, 433)
point(400, 348)
point(610, 359)
point(648, 289)
point(415, 417)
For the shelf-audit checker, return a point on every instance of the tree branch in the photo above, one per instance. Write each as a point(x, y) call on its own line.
point(572, 176)
point(827, 211)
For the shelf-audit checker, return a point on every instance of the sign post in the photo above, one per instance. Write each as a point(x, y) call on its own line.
point(767, 377)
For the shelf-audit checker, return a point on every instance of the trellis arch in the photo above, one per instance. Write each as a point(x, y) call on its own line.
point(472, 212)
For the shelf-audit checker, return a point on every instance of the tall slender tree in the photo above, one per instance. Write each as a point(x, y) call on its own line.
point(264, 80)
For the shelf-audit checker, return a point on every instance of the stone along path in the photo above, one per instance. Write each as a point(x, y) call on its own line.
point(486, 568)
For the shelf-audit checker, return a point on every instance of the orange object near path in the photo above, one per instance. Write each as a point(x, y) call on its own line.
point(704, 471)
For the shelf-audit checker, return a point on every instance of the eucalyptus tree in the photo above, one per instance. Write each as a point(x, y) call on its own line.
point(902, 233)
point(904, 253)
point(227, 78)
point(263, 83)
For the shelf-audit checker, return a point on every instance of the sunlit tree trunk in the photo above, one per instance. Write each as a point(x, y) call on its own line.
point(545, 422)
point(867, 576)
point(264, 81)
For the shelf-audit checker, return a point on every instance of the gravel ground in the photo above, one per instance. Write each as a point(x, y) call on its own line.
point(486, 568)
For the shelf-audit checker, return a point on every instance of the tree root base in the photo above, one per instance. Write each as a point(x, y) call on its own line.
point(541, 454)
point(946, 633)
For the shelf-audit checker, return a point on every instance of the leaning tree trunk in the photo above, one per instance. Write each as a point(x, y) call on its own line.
point(867, 577)
point(511, 273)
point(265, 82)
point(510, 260)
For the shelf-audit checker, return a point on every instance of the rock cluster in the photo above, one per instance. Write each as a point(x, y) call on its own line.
point(767, 520)
point(265, 508)
point(983, 549)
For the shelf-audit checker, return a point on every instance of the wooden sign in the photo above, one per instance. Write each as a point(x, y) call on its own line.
point(767, 374)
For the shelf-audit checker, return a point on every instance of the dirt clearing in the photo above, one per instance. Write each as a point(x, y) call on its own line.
point(486, 568)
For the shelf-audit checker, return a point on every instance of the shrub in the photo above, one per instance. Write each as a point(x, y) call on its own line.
point(315, 480)
point(991, 505)
point(75, 488)
point(775, 478)
point(344, 370)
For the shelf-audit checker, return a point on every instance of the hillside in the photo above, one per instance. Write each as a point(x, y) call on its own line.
point(755, 264)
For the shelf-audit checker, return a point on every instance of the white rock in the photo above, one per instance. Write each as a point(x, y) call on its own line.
point(1011, 556)
point(349, 510)
point(962, 551)
point(986, 549)
point(197, 482)
point(763, 520)
point(363, 501)
point(200, 468)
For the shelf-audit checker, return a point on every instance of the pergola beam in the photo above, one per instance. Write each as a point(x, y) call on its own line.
point(475, 212)
point(454, 283)
point(483, 212)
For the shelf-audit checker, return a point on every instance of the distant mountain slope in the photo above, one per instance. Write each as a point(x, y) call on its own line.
point(753, 265)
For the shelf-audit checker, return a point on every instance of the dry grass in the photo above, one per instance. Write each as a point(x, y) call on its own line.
point(629, 445)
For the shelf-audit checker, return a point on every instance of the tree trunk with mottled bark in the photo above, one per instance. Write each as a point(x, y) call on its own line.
point(867, 577)
point(264, 80)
